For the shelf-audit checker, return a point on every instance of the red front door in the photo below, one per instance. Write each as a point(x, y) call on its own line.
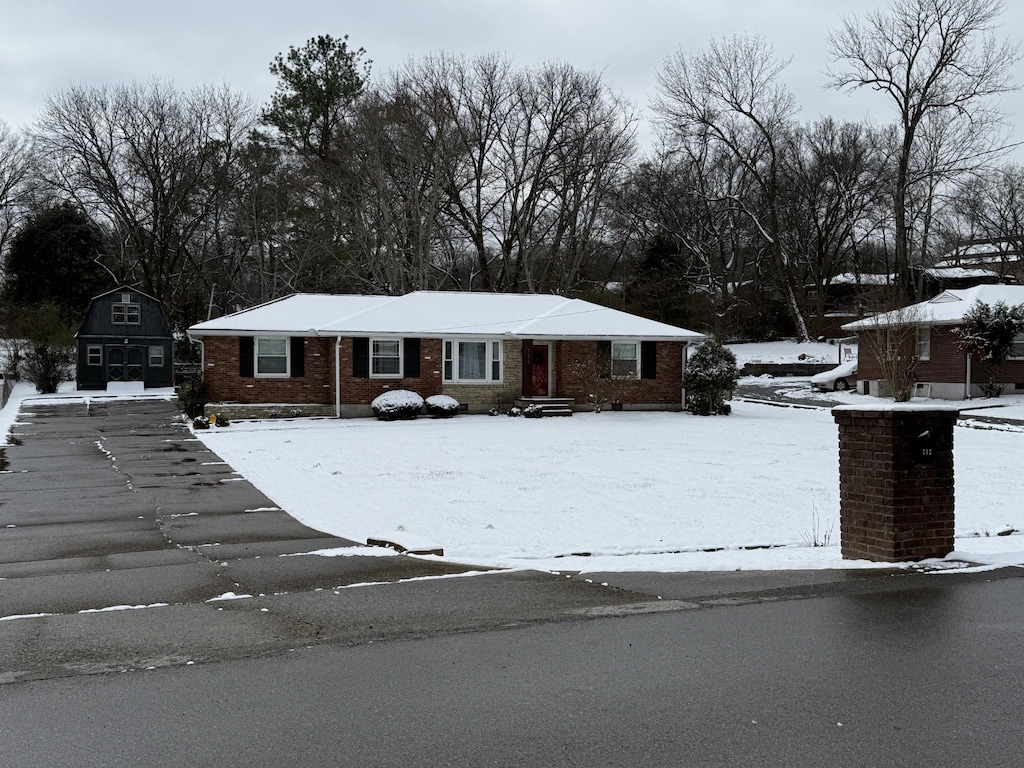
point(539, 371)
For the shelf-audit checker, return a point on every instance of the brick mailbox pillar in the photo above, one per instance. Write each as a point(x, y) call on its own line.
point(895, 481)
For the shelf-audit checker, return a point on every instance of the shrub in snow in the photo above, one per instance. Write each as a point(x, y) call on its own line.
point(399, 404)
point(711, 375)
point(48, 366)
point(200, 422)
point(442, 406)
point(533, 411)
point(515, 410)
point(192, 396)
point(220, 421)
point(494, 412)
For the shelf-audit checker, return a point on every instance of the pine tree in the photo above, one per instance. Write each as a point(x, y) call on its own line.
point(711, 375)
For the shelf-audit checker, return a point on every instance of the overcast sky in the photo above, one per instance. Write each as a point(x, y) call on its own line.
point(45, 45)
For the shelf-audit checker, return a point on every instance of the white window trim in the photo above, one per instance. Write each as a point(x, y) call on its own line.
point(159, 350)
point(401, 358)
point(89, 350)
point(256, 358)
point(126, 307)
point(611, 361)
point(489, 369)
point(926, 330)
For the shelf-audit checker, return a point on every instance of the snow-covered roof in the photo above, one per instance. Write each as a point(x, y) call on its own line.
point(296, 315)
point(436, 313)
point(960, 273)
point(850, 278)
point(948, 308)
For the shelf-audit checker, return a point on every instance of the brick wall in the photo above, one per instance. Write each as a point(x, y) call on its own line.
point(663, 390)
point(223, 384)
point(946, 364)
point(362, 391)
point(895, 503)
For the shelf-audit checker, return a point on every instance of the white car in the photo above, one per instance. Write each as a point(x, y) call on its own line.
point(839, 379)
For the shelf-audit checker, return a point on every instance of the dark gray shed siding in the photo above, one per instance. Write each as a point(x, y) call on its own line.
point(125, 337)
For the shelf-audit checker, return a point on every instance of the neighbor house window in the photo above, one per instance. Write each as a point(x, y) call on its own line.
point(156, 357)
point(386, 358)
point(126, 314)
point(94, 354)
point(271, 357)
point(625, 360)
point(924, 342)
point(472, 361)
point(1017, 352)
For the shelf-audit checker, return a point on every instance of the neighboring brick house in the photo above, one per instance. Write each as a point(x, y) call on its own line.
point(334, 354)
point(942, 371)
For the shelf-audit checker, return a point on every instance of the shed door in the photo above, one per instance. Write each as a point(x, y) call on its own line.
point(126, 363)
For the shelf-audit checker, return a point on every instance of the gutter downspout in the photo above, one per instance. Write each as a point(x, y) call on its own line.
point(337, 376)
point(686, 353)
point(967, 383)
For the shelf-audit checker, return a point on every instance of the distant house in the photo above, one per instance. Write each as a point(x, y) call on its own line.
point(125, 338)
point(335, 354)
point(942, 370)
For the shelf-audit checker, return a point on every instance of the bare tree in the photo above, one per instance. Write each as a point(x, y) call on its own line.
point(929, 57)
point(889, 343)
point(154, 166)
point(15, 172)
point(731, 96)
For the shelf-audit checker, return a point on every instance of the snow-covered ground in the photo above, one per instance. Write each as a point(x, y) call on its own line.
point(789, 352)
point(614, 491)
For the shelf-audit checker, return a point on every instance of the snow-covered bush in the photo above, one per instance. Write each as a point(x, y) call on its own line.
point(398, 404)
point(442, 406)
point(711, 375)
point(200, 422)
point(220, 420)
point(533, 411)
point(514, 411)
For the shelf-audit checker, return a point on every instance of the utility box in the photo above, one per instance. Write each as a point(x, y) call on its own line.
point(896, 494)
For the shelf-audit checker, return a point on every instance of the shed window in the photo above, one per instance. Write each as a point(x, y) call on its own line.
point(125, 314)
point(271, 357)
point(386, 358)
point(156, 357)
point(625, 360)
point(94, 354)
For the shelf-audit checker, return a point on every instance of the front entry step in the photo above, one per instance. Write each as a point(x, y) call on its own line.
point(550, 406)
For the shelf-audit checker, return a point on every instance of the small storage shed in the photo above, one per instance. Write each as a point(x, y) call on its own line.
point(125, 337)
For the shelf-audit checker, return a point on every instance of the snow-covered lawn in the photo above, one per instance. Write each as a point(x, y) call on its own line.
point(615, 491)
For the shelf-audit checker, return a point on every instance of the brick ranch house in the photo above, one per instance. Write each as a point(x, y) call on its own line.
point(328, 354)
point(943, 371)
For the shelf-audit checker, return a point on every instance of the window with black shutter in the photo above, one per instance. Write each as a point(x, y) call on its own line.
point(361, 358)
point(648, 360)
point(411, 353)
point(246, 357)
point(298, 361)
point(604, 359)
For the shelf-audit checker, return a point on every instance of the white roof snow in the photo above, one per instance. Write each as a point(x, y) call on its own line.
point(437, 314)
point(948, 308)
